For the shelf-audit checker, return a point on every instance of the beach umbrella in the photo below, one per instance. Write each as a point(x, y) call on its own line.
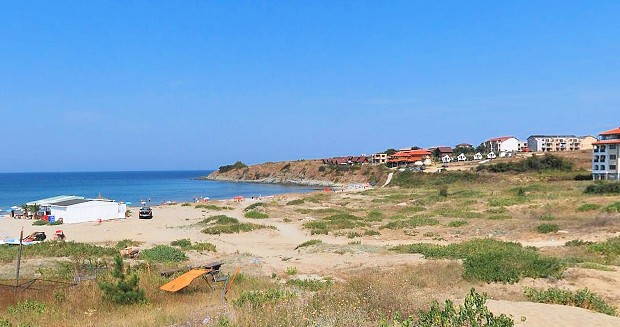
point(128, 203)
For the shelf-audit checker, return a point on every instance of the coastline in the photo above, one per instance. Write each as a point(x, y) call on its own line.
point(273, 180)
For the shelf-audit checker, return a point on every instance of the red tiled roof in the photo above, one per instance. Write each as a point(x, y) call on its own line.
point(501, 138)
point(606, 142)
point(611, 132)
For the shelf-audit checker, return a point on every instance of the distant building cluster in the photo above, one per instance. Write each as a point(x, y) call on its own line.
point(496, 147)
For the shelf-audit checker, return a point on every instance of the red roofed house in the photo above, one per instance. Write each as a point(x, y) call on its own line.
point(502, 144)
point(605, 153)
point(409, 157)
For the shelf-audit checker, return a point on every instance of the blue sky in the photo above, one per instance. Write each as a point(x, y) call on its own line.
point(149, 85)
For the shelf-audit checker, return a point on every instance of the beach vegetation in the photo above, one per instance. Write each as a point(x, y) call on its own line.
point(457, 223)
point(295, 202)
point(310, 284)
point(309, 243)
point(412, 222)
point(291, 270)
point(257, 299)
point(186, 244)
point(490, 260)
point(613, 208)
point(254, 206)
point(236, 165)
point(583, 298)
point(547, 228)
point(212, 207)
point(164, 254)
point(186, 204)
point(547, 162)
point(125, 289)
point(603, 188)
point(220, 220)
point(256, 215)
point(56, 249)
point(233, 228)
point(371, 232)
point(125, 244)
point(409, 179)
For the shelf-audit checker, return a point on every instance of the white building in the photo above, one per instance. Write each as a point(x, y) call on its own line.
point(76, 209)
point(446, 159)
point(605, 153)
point(478, 156)
point(559, 143)
point(491, 155)
point(461, 157)
point(504, 143)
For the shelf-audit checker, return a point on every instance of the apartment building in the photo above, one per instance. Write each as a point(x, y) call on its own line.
point(502, 144)
point(379, 158)
point(559, 143)
point(605, 153)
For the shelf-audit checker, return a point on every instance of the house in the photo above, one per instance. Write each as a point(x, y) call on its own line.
point(478, 156)
point(446, 159)
point(379, 158)
point(464, 145)
point(503, 143)
point(461, 157)
point(523, 146)
point(559, 143)
point(409, 157)
point(605, 153)
point(77, 209)
point(491, 155)
point(444, 151)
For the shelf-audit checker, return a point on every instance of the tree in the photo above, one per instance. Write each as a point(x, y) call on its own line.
point(390, 151)
point(25, 207)
point(482, 148)
point(415, 148)
point(35, 210)
point(125, 290)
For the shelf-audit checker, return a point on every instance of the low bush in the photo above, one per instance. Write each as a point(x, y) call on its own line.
point(56, 249)
point(534, 163)
point(182, 243)
point(490, 260)
point(547, 217)
point(186, 204)
point(603, 188)
point(309, 284)
point(473, 312)
point(256, 215)
point(254, 206)
point(186, 244)
point(409, 179)
point(588, 207)
point(220, 220)
point(609, 248)
point(27, 308)
point(126, 243)
point(232, 228)
point(295, 202)
point(613, 208)
point(256, 299)
point(443, 191)
point(577, 243)
point(371, 232)
point(291, 270)
point(547, 228)
point(582, 298)
point(211, 207)
point(411, 223)
point(163, 253)
point(457, 223)
point(308, 243)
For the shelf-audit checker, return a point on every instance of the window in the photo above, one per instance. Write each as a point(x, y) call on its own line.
point(602, 158)
point(612, 157)
point(612, 147)
point(602, 148)
point(602, 167)
point(595, 167)
point(612, 167)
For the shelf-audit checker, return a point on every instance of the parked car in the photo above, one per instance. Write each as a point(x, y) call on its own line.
point(145, 213)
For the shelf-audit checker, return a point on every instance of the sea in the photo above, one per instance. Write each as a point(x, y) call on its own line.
point(131, 187)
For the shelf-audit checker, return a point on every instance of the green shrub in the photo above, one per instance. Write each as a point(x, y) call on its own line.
point(291, 270)
point(125, 290)
point(186, 204)
point(295, 202)
point(182, 243)
point(308, 243)
point(409, 179)
point(603, 188)
point(220, 220)
point(411, 223)
point(491, 260)
point(256, 215)
point(40, 222)
point(56, 249)
point(163, 253)
point(547, 228)
point(309, 284)
point(125, 243)
point(353, 235)
point(371, 232)
point(443, 191)
point(588, 207)
point(254, 206)
point(374, 215)
point(236, 165)
point(473, 312)
point(457, 223)
point(613, 208)
point(577, 243)
point(232, 228)
point(610, 248)
point(27, 308)
point(582, 298)
point(534, 163)
point(256, 299)
point(212, 207)
point(499, 217)
point(547, 217)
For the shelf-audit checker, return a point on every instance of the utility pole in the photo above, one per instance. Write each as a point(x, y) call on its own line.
point(19, 257)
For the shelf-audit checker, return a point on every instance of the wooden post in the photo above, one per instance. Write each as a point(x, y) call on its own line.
point(19, 257)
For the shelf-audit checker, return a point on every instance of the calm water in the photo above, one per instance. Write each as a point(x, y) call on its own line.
point(158, 186)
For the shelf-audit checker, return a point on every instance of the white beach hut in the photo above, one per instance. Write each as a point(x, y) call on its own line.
point(75, 209)
point(491, 155)
point(478, 156)
point(461, 157)
point(446, 159)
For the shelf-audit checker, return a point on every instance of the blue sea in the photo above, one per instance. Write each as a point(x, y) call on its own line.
point(130, 186)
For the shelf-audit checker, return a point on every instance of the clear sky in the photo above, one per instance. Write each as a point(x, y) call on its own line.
point(150, 85)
